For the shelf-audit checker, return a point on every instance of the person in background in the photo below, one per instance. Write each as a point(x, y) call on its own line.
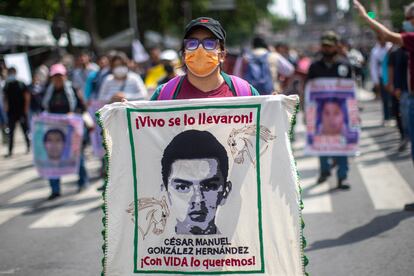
point(355, 58)
point(3, 118)
point(169, 59)
point(16, 105)
point(397, 63)
point(275, 62)
point(61, 98)
point(96, 78)
point(81, 73)
point(331, 65)
point(378, 53)
point(156, 71)
point(122, 84)
point(36, 89)
point(405, 40)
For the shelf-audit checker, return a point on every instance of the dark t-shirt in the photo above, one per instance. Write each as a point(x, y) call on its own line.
point(398, 59)
point(14, 91)
point(59, 103)
point(408, 41)
point(340, 68)
point(189, 91)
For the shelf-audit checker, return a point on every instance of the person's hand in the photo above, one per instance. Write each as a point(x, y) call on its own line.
point(361, 10)
point(397, 93)
point(118, 97)
point(390, 88)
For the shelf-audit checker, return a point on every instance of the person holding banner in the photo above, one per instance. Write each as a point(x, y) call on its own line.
point(61, 98)
point(203, 51)
point(121, 83)
point(406, 40)
point(331, 117)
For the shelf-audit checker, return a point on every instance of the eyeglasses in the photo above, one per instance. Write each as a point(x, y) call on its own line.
point(193, 43)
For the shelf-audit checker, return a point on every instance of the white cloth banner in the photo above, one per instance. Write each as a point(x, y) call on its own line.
point(202, 187)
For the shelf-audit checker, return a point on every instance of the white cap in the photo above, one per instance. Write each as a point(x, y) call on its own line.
point(169, 55)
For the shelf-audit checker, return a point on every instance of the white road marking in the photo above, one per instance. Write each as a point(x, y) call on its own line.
point(386, 187)
point(68, 215)
point(316, 197)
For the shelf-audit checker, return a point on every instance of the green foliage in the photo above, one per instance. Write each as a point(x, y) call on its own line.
point(397, 12)
point(164, 16)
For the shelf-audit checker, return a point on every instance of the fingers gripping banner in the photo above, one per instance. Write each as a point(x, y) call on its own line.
point(332, 117)
point(202, 187)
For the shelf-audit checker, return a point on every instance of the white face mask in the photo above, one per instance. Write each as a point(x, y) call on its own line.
point(120, 71)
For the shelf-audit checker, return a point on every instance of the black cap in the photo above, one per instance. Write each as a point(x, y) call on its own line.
point(209, 23)
point(329, 38)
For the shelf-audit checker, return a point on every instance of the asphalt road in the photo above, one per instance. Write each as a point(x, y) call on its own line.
point(362, 231)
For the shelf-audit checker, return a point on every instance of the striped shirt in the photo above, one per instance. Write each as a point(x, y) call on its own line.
point(133, 87)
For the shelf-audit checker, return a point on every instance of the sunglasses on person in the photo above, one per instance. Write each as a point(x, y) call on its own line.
point(192, 44)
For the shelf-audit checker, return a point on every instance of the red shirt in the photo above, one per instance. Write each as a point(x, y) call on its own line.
point(189, 91)
point(408, 40)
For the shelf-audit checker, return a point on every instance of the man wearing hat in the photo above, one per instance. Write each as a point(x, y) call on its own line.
point(331, 65)
point(203, 52)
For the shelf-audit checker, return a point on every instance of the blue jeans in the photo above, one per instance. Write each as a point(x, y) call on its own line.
point(341, 161)
point(82, 182)
point(411, 123)
point(404, 110)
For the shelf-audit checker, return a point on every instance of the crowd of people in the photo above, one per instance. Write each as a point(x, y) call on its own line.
point(202, 68)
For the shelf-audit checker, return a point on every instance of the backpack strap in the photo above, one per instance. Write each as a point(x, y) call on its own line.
point(241, 86)
point(168, 90)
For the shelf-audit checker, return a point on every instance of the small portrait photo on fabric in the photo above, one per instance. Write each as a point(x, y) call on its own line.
point(332, 117)
point(56, 145)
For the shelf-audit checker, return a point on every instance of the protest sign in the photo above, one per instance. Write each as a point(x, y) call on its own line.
point(332, 118)
point(21, 63)
point(95, 134)
point(202, 187)
point(57, 142)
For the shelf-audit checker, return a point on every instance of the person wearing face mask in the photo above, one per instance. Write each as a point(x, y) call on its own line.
point(331, 65)
point(16, 105)
point(203, 51)
point(62, 98)
point(406, 40)
point(121, 84)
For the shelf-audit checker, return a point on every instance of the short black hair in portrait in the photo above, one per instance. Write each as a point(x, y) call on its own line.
point(54, 130)
point(194, 144)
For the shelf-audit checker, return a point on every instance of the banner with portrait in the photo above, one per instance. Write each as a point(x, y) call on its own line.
point(57, 142)
point(332, 117)
point(204, 186)
point(95, 135)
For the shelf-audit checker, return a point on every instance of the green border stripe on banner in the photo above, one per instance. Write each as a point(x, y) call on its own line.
point(258, 109)
point(131, 141)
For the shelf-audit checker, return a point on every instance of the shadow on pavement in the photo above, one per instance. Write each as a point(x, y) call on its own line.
point(373, 228)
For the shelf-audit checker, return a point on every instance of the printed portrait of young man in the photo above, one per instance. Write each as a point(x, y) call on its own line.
point(195, 168)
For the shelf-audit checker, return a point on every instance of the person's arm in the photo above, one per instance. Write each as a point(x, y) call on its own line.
point(27, 97)
point(141, 87)
point(373, 67)
point(284, 67)
point(104, 95)
point(388, 35)
point(5, 99)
